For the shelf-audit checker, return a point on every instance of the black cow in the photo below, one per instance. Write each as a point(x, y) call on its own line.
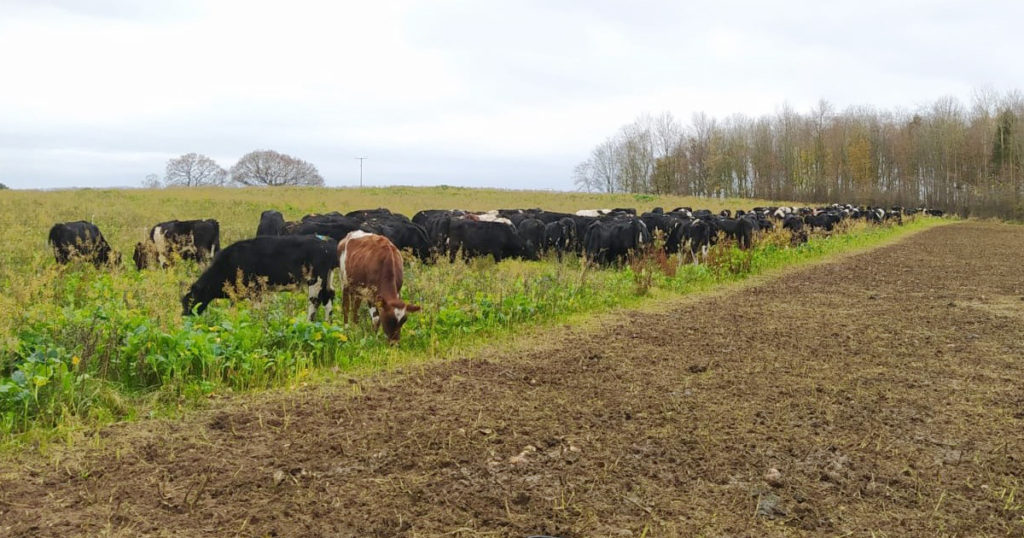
point(379, 213)
point(402, 233)
point(612, 240)
point(670, 227)
point(81, 239)
point(189, 239)
point(741, 229)
point(560, 235)
point(531, 232)
point(271, 223)
point(335, 227)
point(826, 221)
point(480, 238)
point(436, 222)
point(793, 223)
point(269, 261)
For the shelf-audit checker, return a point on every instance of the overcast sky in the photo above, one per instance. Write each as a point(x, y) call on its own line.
point(480, 93)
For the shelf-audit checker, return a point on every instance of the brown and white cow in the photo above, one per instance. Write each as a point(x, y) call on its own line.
point(371, 270)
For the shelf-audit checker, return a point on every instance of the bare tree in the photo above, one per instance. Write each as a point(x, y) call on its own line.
point(600, 172)
point(194, 170)
point(270, 168)
point(152, 181)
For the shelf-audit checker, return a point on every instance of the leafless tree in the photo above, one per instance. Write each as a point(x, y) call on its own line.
point(600, 172)
point(194, 170)
point(270, 168)
point(964, 159)
point(152, 181)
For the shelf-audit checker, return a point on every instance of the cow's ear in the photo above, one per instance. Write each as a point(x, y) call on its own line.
point(412, 308)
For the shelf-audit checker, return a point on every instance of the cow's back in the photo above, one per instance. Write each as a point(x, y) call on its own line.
point(370, 261)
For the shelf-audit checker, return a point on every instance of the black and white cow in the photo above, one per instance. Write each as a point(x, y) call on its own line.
point(269, 261)
point(188, 239)
point(81, 240)
point(699, 233)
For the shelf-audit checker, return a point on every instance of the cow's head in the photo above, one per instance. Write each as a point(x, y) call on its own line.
point(144, 252)
point(191, 299)
point(392, 316)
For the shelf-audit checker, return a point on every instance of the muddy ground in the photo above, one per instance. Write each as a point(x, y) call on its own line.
point(883, 392)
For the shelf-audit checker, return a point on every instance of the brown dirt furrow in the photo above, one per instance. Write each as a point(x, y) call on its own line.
point(882, 392)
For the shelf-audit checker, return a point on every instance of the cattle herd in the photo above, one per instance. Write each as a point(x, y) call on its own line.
point(365, 245)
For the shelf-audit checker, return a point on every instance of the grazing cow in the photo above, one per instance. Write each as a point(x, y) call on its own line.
point(670, 226)
point(741, 229)
point(792, 223)
point(402, 233)
point(190, 239)
point(269, 261)
point(379, 213)
point(81, 239)
point(271, 223)
point(336, 228)
point(826, 221)
point(560, 235)
point(531, 232)
point(480, 238)
point(611, 241)
point(371, 268)
point(699, 233)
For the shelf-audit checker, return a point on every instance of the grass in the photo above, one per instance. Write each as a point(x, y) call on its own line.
point(83, 346)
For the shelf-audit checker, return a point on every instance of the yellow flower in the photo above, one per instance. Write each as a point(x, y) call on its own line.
point(75, 360)
point(214, 328)
point(317, 336)
point(40, 380)
point(341, 337)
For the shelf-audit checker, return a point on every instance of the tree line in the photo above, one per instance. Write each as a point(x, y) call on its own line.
point(965, 159)
point(262, 167)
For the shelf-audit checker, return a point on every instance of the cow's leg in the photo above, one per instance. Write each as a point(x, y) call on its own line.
point(346, 304)
point(356, 303)
point(314, 297)
point(329, 295)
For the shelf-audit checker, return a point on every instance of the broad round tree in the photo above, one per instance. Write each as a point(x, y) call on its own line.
point(194, 170)
point(270, 168)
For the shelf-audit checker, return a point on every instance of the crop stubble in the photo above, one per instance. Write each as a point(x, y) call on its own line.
point(884, 388)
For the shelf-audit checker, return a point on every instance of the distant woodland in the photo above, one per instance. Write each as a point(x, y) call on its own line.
point(962, 158)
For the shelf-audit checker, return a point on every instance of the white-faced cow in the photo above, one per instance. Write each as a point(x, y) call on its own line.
point(371, 269)
point(269, 261)
point(188, 239)
point(83, 240)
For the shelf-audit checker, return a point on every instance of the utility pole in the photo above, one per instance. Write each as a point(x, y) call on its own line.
point(361, 159)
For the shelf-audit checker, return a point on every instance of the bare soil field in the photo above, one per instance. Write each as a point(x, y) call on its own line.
point(882, 392)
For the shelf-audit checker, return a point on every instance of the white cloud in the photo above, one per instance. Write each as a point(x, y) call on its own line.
point(488, 89)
